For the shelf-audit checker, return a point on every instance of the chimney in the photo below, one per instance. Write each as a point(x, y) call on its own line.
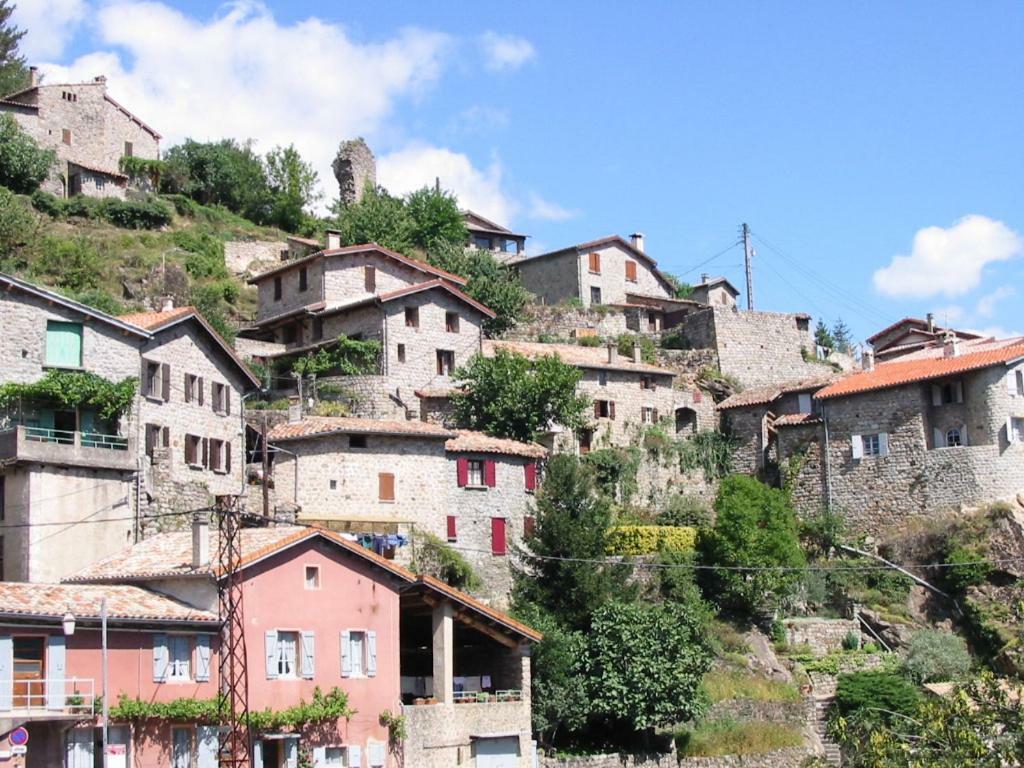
point(931, 322)
point(637, 352)
point(333, 239)
point(294, 409)
point(637, 239)
point(613, 352)
point(950, 344)
point(100, 80)
point(166, 303)
point(201, 539)
point(704, 277)
point(33, 77)
point(867, 360)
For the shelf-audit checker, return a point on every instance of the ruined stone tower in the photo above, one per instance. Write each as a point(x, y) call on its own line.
point(354, 167)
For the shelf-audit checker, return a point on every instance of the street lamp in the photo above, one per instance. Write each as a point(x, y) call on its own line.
point(68, 623)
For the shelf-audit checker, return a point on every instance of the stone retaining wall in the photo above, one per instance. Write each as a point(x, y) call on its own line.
point(792, 757)
point(822, 635)
point(566, 322)
point(791, 713)
point(240, 255)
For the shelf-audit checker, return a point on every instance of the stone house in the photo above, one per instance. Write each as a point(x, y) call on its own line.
point(371, 477)
point(391, 641)
point(911, 334)
point(65, 463)
point(89, 131)
point(715, 292)
point(486, 235)
point(930, 432)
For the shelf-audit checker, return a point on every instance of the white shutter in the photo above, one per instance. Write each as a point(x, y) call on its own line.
point(257, 753)
point(804, 402)
point(1011, 382)
point(371, 654)
point(202, 658)
point(858, 446)
point(270, 639)
point(936, 394)
point(7, 671)
point(883, 443)
point(291, 753)
point(161, 658)
point(308, 660)
point(958, 391)
point(79, 751)
point(346, 661)
point(375, 754)
point(319, 757)
point(1011, 436)
point(939, 437)
point(56, 668)
point(207, 742)
point(963, 435)
point(355, 757)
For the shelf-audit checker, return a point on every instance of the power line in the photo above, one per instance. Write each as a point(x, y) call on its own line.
point(709, 260)
point(89, 519)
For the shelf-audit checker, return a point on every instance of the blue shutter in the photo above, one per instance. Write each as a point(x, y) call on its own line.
point(257, 753)
point(202, 658)
point(308, 659)
point(56, 670)
point(207, 742)
point(271, 650)
point(371, 654)
point(63, 344)
point(319, 757)
point(346, 662)
point(161, 658)
point(6, 672)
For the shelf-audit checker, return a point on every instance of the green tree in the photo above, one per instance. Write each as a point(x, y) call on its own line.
point(24, 165)
point(70, 263)
point(645, 663)
point(13, 72)
point(510, 395)
point(18, 227)
point(435, 219)
point(225, 172)
point(842, 336)
point(754, 526)
point(494, 285)
point(680, 288)
point(376, 218)
point(823, 336)
point(565, 569)
point(292, 185)
point(937, 656)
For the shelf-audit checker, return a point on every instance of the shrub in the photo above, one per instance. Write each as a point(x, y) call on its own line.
point(135, 214)
point(183, 206)
point(615, 471)
point(24, 165)
point(589, 341)
point(675, 340)
point(730, 737)
point(72, 263)
point(685, 509)
point(205, 254)
point(851, 641)
point(82, 207)
point(17, 225)
point(970, 571)
point(626, 341)
point(934, 655)
point(876, 695)
point(47, 203)
point(648, 539)
point(330, 408)
point(437, 559)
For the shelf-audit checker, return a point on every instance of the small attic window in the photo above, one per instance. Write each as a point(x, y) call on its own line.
point(803, 324)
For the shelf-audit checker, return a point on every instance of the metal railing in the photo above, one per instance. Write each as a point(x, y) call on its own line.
point(67, 695)
point(68, 437)
point(478, 697)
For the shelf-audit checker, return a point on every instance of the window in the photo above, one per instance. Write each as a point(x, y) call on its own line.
point(190, 386)
point(129, 149)
point(602, 378)
point(357, 653)
point(181, 747)
point(99, 182)
point(192, 448)
point(1015, 430)
point(287, 649)
point(318, 328)
point(277, 288)
point(482, 243)
point(333, 485)
point(498, 543)
point(953, 438)
point(156, 380)
point(370, 278)
point(357, 441)
point(584, 436)
point(303, 279)
point(312, 579)
point(948, 393)
point(649, 415)
point(412, 317)
point(604, 409)
point(401, 353)
point(804, 404)
point(221, 398)
point(647, 382)
point(475, 469)
point(445, 362)
point(219, 453)
point(289, 334)
point(510, 246)
point(1018, 383)
point(179, 666)
point(870, 445)
point(652, 321)
point(530, 476)
point(594, 263)
point(156, 437)
point(65, 136)
point(451, 322)
point(631, 271)
point(595, 295)
point(452, 529)
point(386, 486)
point(334, 757)
point(63, 344)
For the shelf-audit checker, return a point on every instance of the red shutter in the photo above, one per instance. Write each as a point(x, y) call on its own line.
point(490, 473)
point(165, 381)
point(597, 409)
point(498, 536)
point(529, 525)
point(611, 410)
point(462, 471)
point(531, 475)
point(697, 396)
point(451, 528)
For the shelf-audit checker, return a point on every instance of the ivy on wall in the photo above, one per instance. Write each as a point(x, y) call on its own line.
point(74, 389)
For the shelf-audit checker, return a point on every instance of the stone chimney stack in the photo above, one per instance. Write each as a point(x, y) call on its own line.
point(950, 345)
point(637, 239)
point(33, 77)
point(704, 277)
point(613, 352)
point(867, 360)
point(333, 239)
point(931, 322)
point(638, 355)
point(166, 303)
point(201, 539)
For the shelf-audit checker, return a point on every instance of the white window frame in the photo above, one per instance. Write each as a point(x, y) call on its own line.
point(475, 473)
point(360, 658)
point(871, 445)
point(954, 437)
point(647, 414)
point(283, 661)
point(315, 571)
point(340, 761)
point(179, 658)
point(154, 380)
point(1015, 426)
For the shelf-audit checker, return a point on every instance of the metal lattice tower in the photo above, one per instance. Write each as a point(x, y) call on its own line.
point(235, 744)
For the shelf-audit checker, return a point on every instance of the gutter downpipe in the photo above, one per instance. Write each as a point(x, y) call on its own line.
point(828, 459)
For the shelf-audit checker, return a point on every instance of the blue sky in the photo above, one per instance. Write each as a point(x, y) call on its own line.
point(874, 148)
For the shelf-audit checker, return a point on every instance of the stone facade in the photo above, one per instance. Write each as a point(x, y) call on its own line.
point(241, 255)
point(793, 757)
point(789, 713)
point(565, 322)
point(822, 635)
point(89, 131)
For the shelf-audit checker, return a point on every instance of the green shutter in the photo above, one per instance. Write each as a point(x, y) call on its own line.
point(63, 344)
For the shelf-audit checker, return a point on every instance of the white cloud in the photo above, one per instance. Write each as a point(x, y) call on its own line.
point(947, 316)
point(418, 165)
point(948, 261)
point(548, 211)
point(243, 74)
point(996, 331)
point(50, 25)
point(987, 303)
point(506, 52)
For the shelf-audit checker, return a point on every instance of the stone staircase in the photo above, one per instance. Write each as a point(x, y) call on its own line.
point(821, 706)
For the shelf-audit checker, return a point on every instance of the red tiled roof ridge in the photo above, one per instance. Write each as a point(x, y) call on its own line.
point(473, 441)
point(768, 393)
point(149, 320)
point(437, 283)
point(125, 601)
point(577, 355)
point(401, 258)
point(320, 426)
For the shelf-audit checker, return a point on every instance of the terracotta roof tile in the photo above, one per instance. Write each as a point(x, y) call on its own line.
point(443, 284)
point(436, 392)
point(439, 586)
point(469, 441)
point(151, 320)
point(83, 600)
point(318, 426)
point(769, 394)
point(925, 365)
point(797, 419)
point(581, 357)
point(97, 169)
point(422, 266)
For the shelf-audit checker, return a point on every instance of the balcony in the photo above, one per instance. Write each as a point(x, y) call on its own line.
point(21, 701)
point(66, 448)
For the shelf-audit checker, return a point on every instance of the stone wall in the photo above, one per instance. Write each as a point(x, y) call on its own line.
point(566, 322)
point(441, 735)
point(241, 255)
point(552, 279)
point(369, 397)
point(789, 713)
point(822, 635)
point(354, 167)
point(783, 758)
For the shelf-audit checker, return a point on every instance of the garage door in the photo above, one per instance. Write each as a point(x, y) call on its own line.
point(497, 753)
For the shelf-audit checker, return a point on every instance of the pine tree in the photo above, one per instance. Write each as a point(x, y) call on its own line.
point(13, 72)
point(843, 336)
point(822, 336)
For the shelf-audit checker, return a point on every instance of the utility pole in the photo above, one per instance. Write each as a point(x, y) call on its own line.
point(235, 739)
point(748, 254)
point(266, 469)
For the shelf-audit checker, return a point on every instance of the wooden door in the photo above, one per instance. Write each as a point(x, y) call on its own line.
point(29, 688)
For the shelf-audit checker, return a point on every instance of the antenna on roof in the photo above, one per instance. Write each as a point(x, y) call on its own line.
point(437, 184)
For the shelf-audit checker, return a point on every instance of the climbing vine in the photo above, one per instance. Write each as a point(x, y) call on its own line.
point(348, 357)
point(141, 167)
point(74, 389)
point(395, 724)
point(615, 470)
point(709, 451)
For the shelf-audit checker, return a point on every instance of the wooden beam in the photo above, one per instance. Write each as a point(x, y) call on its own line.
point(491, 632)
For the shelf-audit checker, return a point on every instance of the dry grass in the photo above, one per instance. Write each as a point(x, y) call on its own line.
point(729, 737)
point(725, 684)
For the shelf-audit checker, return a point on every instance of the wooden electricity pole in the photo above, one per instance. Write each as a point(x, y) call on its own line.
point(748, 254)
